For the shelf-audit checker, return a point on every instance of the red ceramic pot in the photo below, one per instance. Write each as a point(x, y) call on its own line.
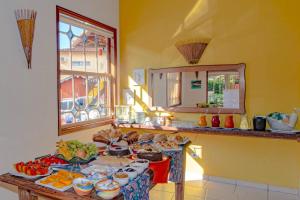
point(229, 121)
point(215, 121)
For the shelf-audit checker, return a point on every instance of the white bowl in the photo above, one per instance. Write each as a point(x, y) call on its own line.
point(138, 168)
point(142, 162)
point(278, 125)
point(121, 181)
point(107, 192)
point(82, 186)
point(132, 172)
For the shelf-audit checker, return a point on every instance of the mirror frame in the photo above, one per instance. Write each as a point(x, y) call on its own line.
point(208, 68)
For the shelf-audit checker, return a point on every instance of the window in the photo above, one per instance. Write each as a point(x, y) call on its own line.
point(81, 63)
point(86, 71)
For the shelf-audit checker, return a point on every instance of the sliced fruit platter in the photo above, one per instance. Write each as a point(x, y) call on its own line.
point(76, 152)
point(37, 168)
point(61, 181)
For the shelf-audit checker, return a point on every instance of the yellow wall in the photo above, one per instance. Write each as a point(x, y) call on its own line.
point(263, 34)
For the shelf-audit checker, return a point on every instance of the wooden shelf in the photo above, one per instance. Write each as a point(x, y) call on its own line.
point(216, 131)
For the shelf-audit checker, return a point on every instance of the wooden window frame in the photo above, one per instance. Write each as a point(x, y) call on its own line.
point(70, 128)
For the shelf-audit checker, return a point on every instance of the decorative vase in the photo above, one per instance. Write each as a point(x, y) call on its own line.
point(229, 121)
point(244, 125)
point(215, 121)
point(202, 121)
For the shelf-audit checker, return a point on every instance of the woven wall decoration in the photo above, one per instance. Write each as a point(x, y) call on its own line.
point(192, 52)
point(26, 24)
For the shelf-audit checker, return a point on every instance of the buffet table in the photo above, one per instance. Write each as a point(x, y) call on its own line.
point(134, 190)
point(28, 190)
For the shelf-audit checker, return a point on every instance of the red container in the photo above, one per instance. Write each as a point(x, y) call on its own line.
point(229, 121)
point(161, 170)
point(215, 121)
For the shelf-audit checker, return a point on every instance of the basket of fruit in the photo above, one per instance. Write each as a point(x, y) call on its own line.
point(76, 152)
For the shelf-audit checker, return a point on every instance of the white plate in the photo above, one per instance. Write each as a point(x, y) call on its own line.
point(99, 169)
point(18, 174)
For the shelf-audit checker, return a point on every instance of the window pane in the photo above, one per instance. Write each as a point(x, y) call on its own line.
point(65, 54)
point(77, 31)
point(67, 118)
point(66, 93)
point(91, 53)
point(78, 59)
point(81, 116)
point(63, 27)
point(102, 54)
point(94, 114)
point(80, 92)
point(93, 83)
point(103, 92)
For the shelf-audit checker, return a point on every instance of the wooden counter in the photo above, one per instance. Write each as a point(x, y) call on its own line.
point(217, 131)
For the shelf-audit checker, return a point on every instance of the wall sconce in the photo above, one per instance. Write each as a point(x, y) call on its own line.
point(26, 24)
point(192, 52)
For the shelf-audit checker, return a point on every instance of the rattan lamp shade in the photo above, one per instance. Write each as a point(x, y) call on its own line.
point(192, 52)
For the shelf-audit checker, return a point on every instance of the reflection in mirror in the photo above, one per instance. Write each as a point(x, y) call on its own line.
point(208, 88)
point(223, 89)
point(174, 88)
point(160, 95)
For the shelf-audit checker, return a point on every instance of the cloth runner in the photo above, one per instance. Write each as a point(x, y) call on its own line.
point(138, 189)
point(175, 174)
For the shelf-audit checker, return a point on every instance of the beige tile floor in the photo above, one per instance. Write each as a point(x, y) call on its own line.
point(207, 190)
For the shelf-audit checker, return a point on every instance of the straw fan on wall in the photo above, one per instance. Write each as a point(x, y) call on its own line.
point(26, 24)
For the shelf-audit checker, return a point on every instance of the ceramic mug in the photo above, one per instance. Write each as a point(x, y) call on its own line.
point(259, 123)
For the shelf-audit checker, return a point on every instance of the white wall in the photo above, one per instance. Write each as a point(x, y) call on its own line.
point(28, 105)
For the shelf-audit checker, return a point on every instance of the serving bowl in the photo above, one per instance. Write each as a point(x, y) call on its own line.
point(279, 121)
point(278, 125)
point(137, 167)
point(121, 177)
point(132, 172)
point(142, 162)
point(82, 186)
point(107, 189)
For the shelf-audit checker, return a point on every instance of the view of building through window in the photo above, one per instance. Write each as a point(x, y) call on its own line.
point(85, 75)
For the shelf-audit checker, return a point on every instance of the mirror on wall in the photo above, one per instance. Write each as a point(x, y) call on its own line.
point(202, 88)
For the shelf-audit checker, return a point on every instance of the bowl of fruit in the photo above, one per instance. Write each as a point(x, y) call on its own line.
point(76, 152)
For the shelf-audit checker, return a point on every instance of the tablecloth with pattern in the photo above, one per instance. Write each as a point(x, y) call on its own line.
point(175, 174)
point(137, 189)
